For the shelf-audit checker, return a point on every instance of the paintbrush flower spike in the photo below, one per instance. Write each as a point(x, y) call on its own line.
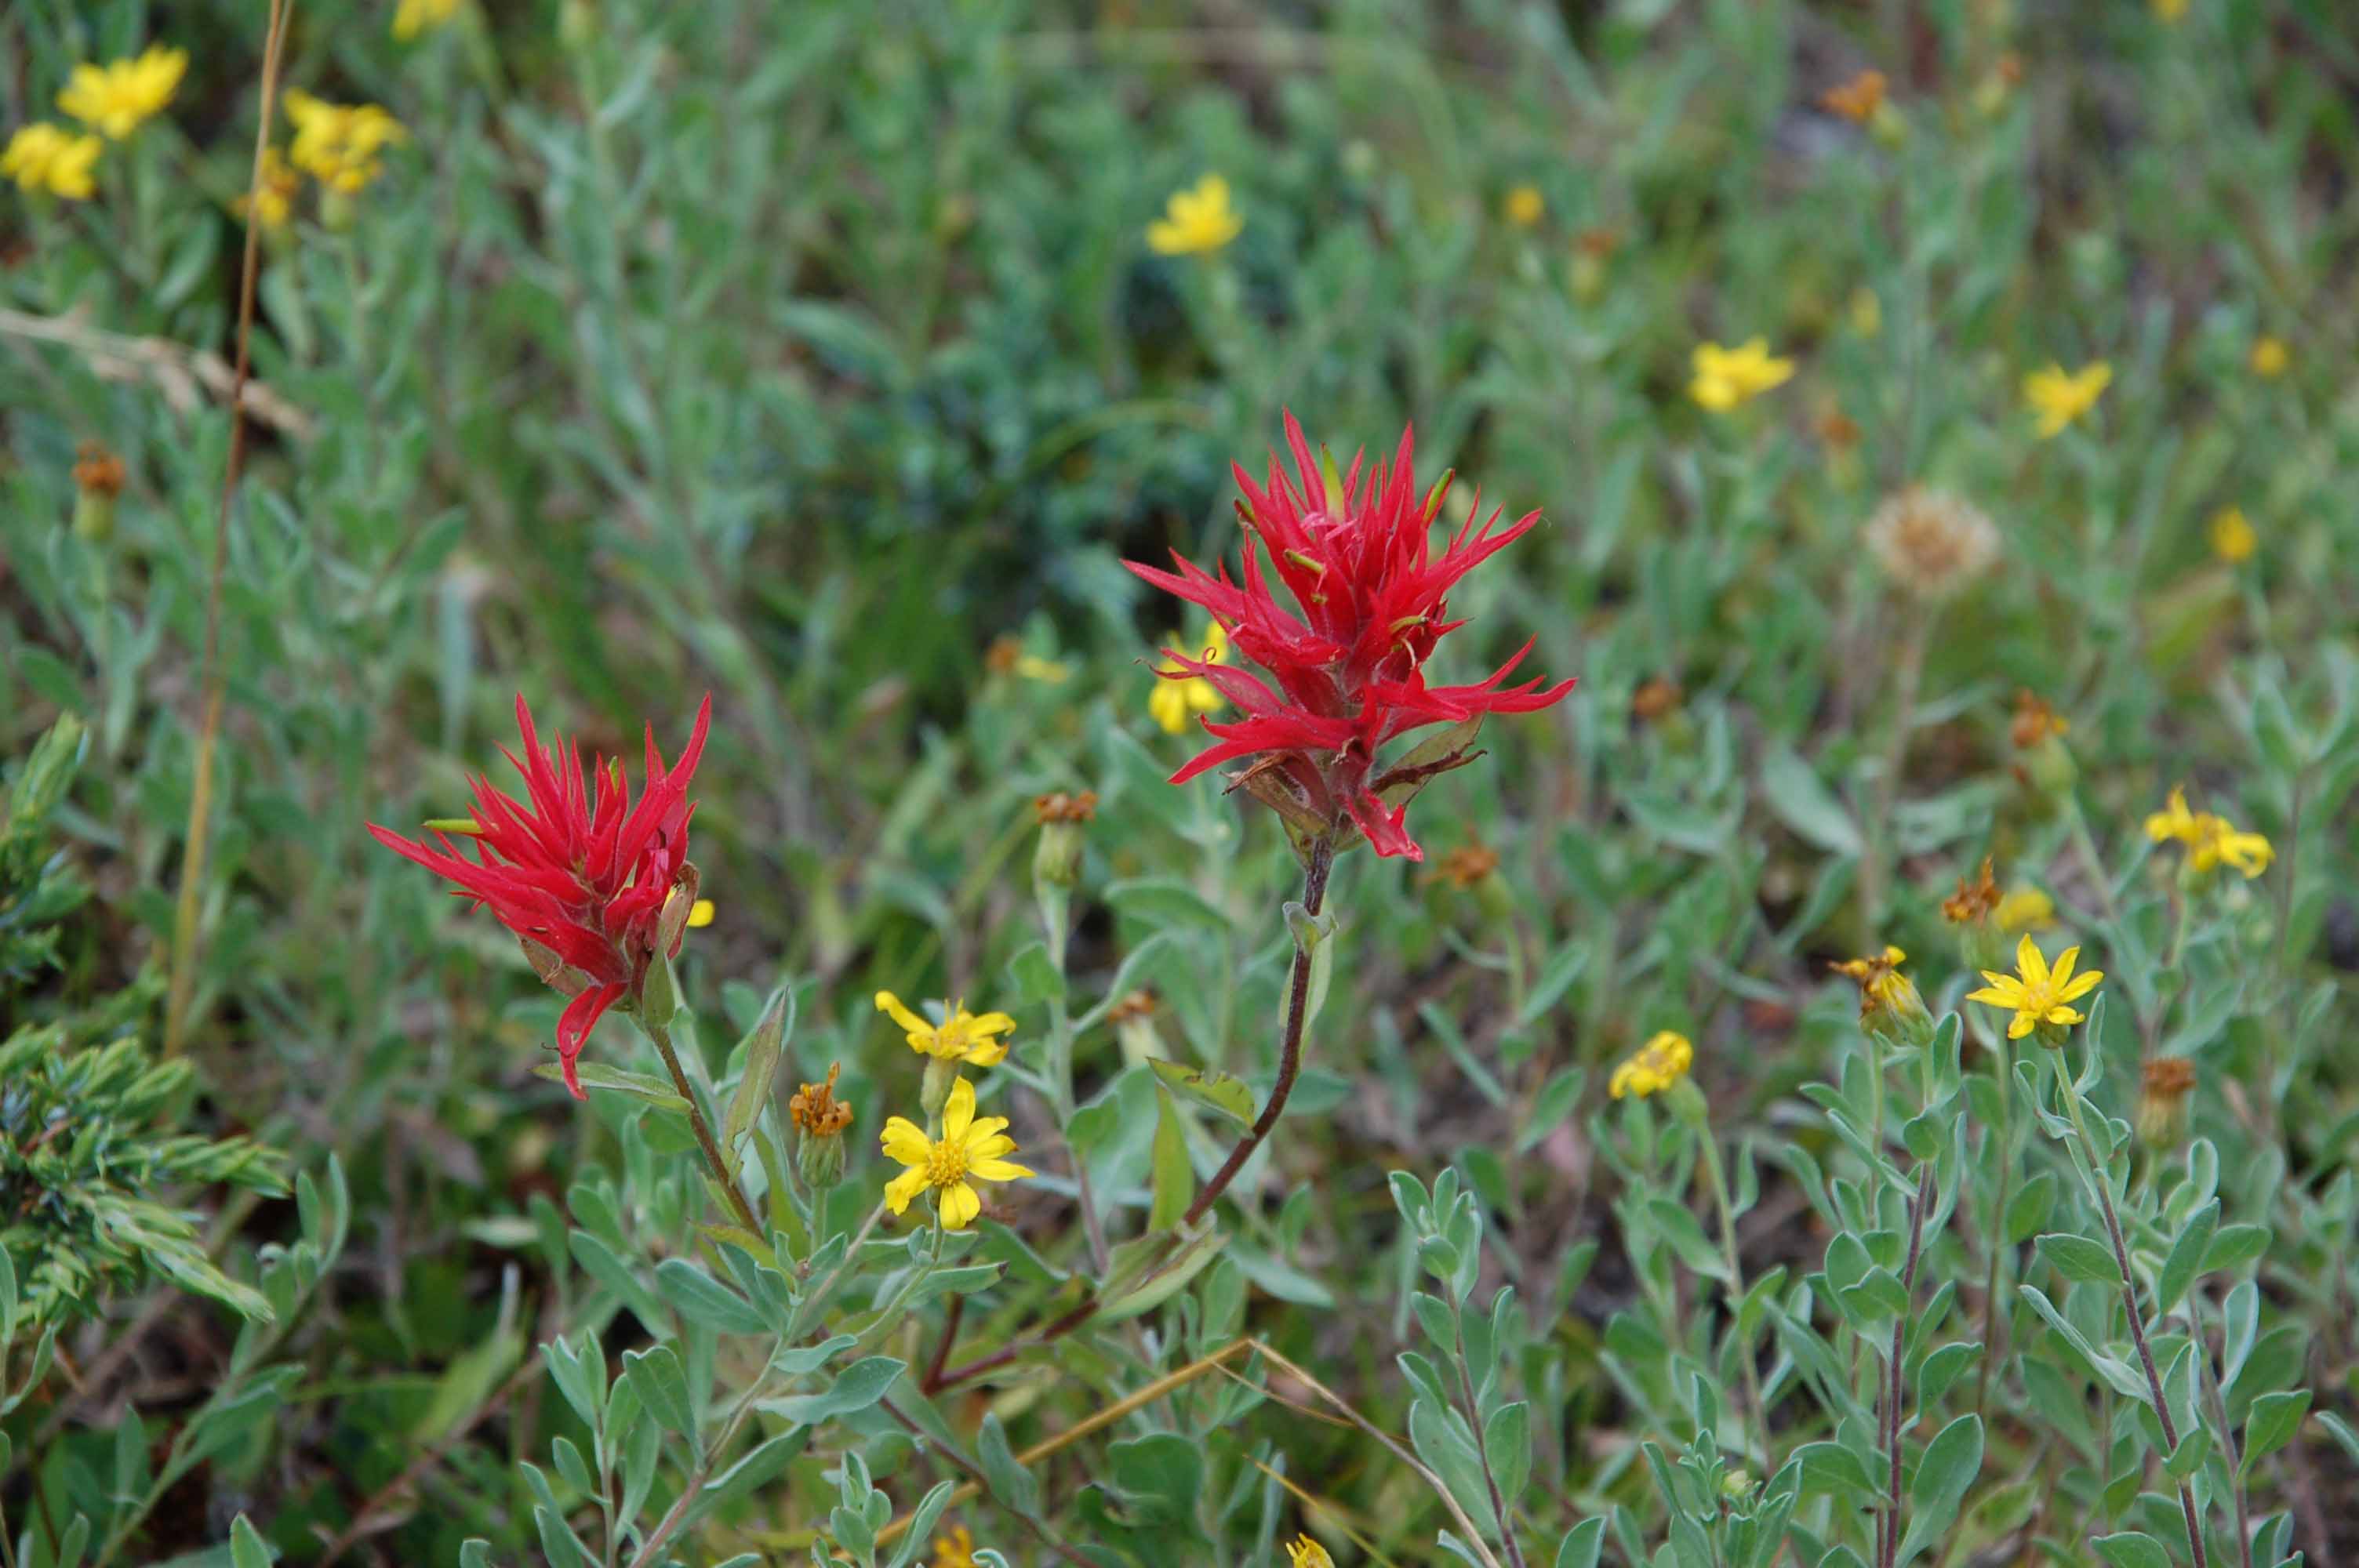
point(1342, 598)
point(593, 885)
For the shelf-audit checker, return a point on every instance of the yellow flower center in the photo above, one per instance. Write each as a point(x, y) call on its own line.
point(946, 1164)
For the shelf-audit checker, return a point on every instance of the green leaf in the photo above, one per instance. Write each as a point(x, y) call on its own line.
point(2274, 1420)
point(2077, 1257)
point(1805, 805)
point(761, 1047)
point(855, 1388)
point(1830, 1467)
point(703, 1299)
point(1174, 1176)
point(1581, 1544)
point(661, 1383)
point(1227, 1095)
point(1037, 978)
point(1011, 1486)
point(1508, 1443)
point(1555, 1102)
point(763, 1465)
point(246, 1547)
point(2029, 1208)
point(1951, 1463)
point(2184, 1265)
point(2234, 1246)
point(622, 1080)
point(2132, 1549)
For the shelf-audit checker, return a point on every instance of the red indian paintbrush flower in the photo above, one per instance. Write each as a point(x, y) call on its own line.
point(1355, 554)
point(594, 886)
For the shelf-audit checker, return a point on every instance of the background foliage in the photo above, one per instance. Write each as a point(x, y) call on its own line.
point(805, 354)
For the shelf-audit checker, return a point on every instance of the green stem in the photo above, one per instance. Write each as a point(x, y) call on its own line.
point(1737, 1300)
point(661, 1036)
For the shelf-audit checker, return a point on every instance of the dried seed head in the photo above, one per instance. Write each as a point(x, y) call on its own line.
point(1930, 543)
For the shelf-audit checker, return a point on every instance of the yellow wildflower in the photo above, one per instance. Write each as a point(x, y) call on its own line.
point(2233, 539)
point(412, 17)
point(115, 98)
point(341, 145)
point(2025, 909)
point(1526, 206)
point(700, 914)
point(2059, 397)
point(2170, 10)
point(2212, 841)
point(1654, 1067)
point(40, 156)
point(1889, 1005)
point(1726, 377)
point(962, 1037)
point(2270, 358)
point(1877, 975)
point(1304, 1553)
point(1177, 696)
point(955, 1550)
point(2174, 820)
point(2036, 993)
point(971, 1149)
point(276, 185)
point(1196, 222)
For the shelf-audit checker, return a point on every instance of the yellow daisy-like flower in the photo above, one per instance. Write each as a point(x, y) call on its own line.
point(963, 1037)
point(2060, 396)
point(1526, 206)
point(1196, 222)
point(2174, 821)
point(413, 17)
point(2224, 843)
point(2233, 538)
point(1726, 377)
point(115, 98)
point(40, 156)
point(700, 914)
point(970, 1150)
point(274, 190)
point(955, 1550)
point(1304, 1553)
point(341, 145)
point(2036, 993)
point(2025, 909)
point(2270, 358)
point(1174, 701)
point(1654, 1067)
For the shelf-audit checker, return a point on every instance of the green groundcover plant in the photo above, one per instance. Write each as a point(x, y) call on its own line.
point(1707, 925)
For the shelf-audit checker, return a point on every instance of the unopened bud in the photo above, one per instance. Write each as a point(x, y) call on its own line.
point(98, 480)
point(1134, 1028)
point(934, 1091)
point(820, 1121)
point(678, 911)
point(2163, 1113)
point(1057, 859)
point(577, 24)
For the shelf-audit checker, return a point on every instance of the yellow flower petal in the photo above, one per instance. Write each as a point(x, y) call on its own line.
point(959, 1205)
point(890, 1005)
point(995, 1169)
point(904, 1188)
point(958, 1114)
point(906, 1142)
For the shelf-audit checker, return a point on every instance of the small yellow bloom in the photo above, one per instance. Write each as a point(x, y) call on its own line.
point(1526, 206)
point(2036, 993)
point(2060, 397)
point(1179, 696)
point(700, 914)
point(2212, 841)
point(115, 98)
point(2233, 539)
point(2174, 821)
point(1877, 975)
point(275, 188)
point(2025, 909)
point(1654, 1067)
point(2170, 10)
point(412, 17)
point(955, 1550)
point(1726, 377)
point(40, 156)
point(2270, 358)
point(1304, 1553)
point(1196, 222)
point(963, 1037)
point(971, 1149)
point(341, 146)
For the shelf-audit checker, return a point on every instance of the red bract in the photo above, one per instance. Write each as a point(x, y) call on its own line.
point(1347, 659)
point(582, 877)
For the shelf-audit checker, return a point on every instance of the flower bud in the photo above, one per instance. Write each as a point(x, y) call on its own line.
point(98, 480)
point(577, 24)
point(678, 911)
point(1890, 1008)
point(820, 1121)
point(1133, 1018)
point(934, 1091)
point(2163, 1113)
point(1057, 859)
point(2038, 733)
